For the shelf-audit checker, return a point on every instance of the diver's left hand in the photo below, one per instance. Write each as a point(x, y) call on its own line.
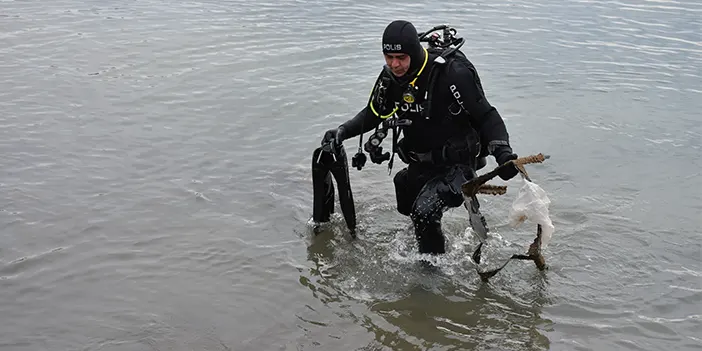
point(503, 155)
point(334, 137)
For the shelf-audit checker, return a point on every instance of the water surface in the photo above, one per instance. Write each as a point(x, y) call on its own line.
point(157, 188)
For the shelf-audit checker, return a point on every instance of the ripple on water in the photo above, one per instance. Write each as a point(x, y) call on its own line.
point(156, 179)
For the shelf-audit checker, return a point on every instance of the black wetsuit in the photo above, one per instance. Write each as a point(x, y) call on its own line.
point(441, 146)
point(453, 126)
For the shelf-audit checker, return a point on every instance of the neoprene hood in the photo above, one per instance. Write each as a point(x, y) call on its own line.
point(401, 37)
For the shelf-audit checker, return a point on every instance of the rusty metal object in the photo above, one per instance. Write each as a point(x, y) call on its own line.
point(473, 186)
point(477, 186)
point(535, 251)
point(534, 254)
point(488, 189)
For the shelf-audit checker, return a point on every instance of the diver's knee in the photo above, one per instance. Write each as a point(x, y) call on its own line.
point(400, 178)
point(403, 195)
point(425, 212)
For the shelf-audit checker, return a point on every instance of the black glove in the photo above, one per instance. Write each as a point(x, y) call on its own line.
point(335, 137)
point(502, 155)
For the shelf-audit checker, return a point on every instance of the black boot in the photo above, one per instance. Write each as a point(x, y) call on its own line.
point(430, 238)
point(427, 211)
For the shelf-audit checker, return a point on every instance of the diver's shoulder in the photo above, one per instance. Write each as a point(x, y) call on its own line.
point(460, 65)
point(459, 59)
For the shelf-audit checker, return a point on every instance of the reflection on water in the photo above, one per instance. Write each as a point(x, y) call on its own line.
point(156, 155)
point(413, 307)
point(454, 316)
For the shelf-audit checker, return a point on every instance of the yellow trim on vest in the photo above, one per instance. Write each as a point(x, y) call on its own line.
point(426, 58)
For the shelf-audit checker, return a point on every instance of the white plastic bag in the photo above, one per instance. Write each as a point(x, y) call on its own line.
point(532, 204)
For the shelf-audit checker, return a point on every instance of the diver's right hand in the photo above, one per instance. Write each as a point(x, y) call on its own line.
point(335, 137)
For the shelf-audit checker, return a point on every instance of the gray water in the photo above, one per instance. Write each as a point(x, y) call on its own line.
point(157, 191)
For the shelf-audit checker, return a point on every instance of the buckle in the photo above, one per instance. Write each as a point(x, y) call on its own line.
point(424, 157)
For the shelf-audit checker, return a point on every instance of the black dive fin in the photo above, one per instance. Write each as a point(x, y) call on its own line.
point(322, 186)
point(340, 170)
point(326, 163)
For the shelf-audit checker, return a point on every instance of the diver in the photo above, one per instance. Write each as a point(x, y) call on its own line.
point(436, 101)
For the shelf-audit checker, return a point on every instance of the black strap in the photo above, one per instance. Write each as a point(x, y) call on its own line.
point(433, 74)
point(395, 135)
